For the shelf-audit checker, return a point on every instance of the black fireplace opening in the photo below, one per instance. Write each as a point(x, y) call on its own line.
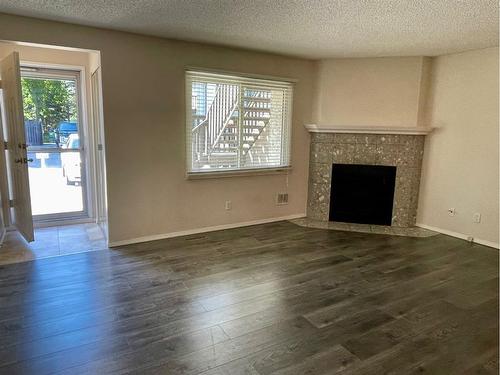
point(362, 194)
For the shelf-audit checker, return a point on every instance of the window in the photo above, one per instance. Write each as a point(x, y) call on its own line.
point(237, 123)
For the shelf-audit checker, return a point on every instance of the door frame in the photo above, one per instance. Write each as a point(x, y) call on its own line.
point(97, 115)
point(87, 134)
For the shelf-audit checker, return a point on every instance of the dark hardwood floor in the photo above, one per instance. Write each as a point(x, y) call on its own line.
point(268, 299)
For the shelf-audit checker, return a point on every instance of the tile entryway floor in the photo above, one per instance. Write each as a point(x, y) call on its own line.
point(52, 241)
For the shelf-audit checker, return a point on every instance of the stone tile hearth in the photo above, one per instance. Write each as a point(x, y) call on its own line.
point(400, 150)
point(364, 228)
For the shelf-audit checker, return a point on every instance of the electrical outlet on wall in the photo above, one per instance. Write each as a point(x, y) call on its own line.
point(476, 218)
point(228, 205)
point(452, 211)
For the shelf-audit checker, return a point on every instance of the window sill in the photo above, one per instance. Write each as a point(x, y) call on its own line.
point(237, 173)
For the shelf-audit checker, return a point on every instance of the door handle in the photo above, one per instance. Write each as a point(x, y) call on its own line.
point(23, 160)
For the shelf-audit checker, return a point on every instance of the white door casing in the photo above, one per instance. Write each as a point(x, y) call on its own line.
point(100, 163)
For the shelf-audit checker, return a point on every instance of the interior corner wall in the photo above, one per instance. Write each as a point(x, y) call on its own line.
point(369, 91)
point(461, 157)
point(424, 91)
point(143, 84)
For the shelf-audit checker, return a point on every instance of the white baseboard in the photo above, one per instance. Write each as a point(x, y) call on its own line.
point(202, 230)
point(462, 236)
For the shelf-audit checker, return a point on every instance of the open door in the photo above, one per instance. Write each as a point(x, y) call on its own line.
point(10, 76)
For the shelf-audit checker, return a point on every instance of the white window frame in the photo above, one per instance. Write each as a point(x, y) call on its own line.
point(243, 79)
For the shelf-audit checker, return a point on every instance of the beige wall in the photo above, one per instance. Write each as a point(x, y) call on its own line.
point(143, 89)
point(369, 91)
point(460, 167)
point(144, 115)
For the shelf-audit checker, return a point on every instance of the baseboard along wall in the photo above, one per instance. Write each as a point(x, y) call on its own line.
point(188, 232)
point(462, 236)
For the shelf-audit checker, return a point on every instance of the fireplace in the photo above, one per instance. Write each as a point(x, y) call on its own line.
point(398, 154)
point(362, 194)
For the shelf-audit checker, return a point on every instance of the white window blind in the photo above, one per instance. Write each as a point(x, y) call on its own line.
point(237, 123)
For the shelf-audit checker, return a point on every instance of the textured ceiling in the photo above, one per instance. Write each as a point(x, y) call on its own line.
point(307, 28)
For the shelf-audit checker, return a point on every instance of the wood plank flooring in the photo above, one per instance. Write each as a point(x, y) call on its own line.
point(268, 299)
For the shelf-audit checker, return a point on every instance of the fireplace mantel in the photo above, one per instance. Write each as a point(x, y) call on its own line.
point(415, 130)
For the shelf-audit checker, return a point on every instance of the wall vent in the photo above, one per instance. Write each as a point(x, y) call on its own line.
point(282, 198)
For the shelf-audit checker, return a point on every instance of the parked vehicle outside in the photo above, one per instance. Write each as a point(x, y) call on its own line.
point(70, 161)
point(64, 130)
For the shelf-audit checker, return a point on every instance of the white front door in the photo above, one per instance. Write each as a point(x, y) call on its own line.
point(10, 76)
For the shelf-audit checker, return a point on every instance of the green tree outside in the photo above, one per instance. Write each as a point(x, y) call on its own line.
point(49, 101)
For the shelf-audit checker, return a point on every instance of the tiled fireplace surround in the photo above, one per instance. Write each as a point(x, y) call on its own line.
point(400, 150)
